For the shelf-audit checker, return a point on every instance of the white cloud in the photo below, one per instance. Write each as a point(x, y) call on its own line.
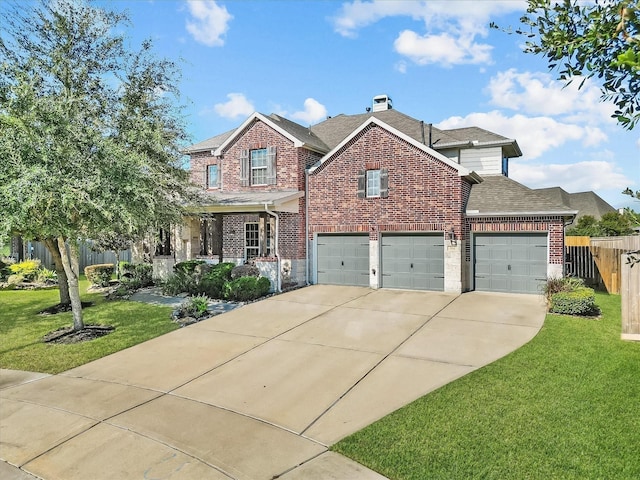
point(574, 177)
point(443, 48)
point(209, 22)
point(539, 94)
point(237, 106)
point(313, 112)
point(535, 135)
point(451, 28)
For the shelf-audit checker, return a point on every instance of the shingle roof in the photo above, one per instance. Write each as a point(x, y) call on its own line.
point(326, 135)
point(500, 195)
point(586, 203)
point(210, 143)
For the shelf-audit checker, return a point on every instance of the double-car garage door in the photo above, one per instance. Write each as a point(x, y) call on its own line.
point(406, 261)
point(515, 263)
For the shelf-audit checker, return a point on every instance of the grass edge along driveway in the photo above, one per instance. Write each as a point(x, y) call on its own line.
point(22, 329)
point(566, 405)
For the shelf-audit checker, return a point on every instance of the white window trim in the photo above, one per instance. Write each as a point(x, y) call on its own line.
point(376, 179)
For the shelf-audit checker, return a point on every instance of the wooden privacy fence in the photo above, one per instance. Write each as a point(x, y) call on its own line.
point(579, 261)
point(630, 298)
point(607, 252)
point(87, 255)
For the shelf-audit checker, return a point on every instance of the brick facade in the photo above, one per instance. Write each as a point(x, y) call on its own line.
point(425, 194)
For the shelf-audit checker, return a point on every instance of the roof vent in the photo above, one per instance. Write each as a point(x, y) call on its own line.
point(382, 102)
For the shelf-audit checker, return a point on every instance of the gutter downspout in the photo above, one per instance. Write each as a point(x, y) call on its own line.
point(277, 250)
point(306, 227)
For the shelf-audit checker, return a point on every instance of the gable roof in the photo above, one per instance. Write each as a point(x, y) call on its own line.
point(498, 195)
point(326, 135)
point(586, 203)
point(372, 120)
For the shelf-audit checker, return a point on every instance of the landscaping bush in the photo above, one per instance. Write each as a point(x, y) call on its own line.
point(99, 274)
point(580, 301)
point(27, 269)
point(179, 283)
point(247, 270)
point(44, 275)
point(561, 284)
point(196, 306)
point(187, 267)
point(247, 288)
point(136, 275)
point(213, 283)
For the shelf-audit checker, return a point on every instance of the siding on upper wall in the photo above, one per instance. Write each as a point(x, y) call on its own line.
point(483, 161)
point(451, 153)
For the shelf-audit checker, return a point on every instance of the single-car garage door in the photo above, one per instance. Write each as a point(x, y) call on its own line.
point(343, 259)
point(515, 263)
point(413, 261)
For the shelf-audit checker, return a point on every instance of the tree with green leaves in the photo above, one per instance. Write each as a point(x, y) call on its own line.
point(591, 39)
point(91, 131)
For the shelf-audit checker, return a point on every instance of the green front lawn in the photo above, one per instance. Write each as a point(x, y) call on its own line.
point(21, 329)
point(564, 406)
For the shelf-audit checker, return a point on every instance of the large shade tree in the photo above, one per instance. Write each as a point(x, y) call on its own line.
point(90, 131)
point(598, 39)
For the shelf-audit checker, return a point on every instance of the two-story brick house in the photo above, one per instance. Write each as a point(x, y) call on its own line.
point(378, 199)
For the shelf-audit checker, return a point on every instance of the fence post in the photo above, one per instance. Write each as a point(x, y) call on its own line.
point(630, 299)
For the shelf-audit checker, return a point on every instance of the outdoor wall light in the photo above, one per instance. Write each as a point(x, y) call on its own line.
point(452, 236)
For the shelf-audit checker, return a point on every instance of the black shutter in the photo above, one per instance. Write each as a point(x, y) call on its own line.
point(362, 183)
point(384, 183)
point(244, 168)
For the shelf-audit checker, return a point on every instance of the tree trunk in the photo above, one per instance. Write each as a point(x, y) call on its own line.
point(71, 263)
point(52, 246)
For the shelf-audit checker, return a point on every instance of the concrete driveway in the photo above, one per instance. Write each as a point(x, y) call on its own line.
point(259, 392)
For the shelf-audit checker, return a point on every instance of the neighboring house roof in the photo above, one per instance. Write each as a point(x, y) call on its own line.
point(325, 136)
point(210, 143)
point(498, 195)
point(281, 200)
point(472, 177)
point(586, 203)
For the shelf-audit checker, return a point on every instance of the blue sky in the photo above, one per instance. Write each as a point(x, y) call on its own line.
point(438, 60)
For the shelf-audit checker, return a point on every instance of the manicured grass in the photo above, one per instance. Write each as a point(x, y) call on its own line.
point(564, 406)
point(21, 329)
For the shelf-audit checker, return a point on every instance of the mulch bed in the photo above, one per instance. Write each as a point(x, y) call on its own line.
point(61, 308)
point(67, 335)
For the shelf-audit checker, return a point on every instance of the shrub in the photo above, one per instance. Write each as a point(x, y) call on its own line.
point(213, 282)
point(179, 283)
point(15, 279)
point(580, 301)
point(26, 268)
point(247, 288)
point(247, 270)
point(44, 275)
point(187, 267)
point(195, 306)
point(99, 274)
point(561, 284)
point(136, 275)
point(223, 270)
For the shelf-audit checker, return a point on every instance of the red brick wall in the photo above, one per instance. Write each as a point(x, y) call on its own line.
point(552, 224)
point(425, 194)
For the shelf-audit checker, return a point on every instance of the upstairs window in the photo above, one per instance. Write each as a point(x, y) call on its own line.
point(212, 176)
point(258, 167)
point(373, 183)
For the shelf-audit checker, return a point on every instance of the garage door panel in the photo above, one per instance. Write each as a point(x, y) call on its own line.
point(510, 262)
point(413, 261)
point(343, 259)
